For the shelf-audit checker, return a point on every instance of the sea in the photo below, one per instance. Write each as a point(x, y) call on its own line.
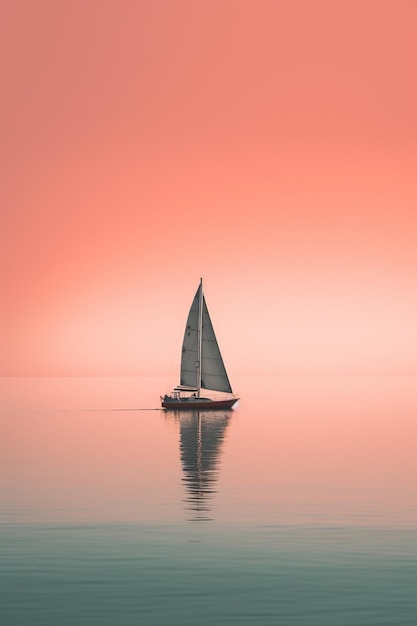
point(297, 508)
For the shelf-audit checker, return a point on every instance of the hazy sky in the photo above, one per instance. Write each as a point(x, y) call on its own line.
point(268, 146)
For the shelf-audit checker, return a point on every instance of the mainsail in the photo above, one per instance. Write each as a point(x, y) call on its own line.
point(212, 373)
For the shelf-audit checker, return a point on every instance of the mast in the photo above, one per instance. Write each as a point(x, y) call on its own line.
point(199, 337)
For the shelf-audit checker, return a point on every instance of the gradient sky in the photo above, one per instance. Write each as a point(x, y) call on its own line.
point(267, 146)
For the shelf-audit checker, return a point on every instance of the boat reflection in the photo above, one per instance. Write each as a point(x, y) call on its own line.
point(201, 437)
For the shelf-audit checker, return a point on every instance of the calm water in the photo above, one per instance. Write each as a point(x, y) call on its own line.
point(298, 508)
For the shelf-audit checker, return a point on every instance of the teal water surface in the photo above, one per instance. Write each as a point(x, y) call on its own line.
point(132, 574)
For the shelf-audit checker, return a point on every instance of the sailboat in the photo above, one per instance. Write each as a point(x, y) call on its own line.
point(202, 366)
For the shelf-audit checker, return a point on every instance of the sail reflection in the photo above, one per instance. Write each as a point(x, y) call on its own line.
point(201, 437)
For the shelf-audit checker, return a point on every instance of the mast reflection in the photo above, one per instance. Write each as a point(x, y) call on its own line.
point(201, 437)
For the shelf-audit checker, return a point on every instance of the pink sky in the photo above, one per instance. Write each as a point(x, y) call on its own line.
point(267, 146)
